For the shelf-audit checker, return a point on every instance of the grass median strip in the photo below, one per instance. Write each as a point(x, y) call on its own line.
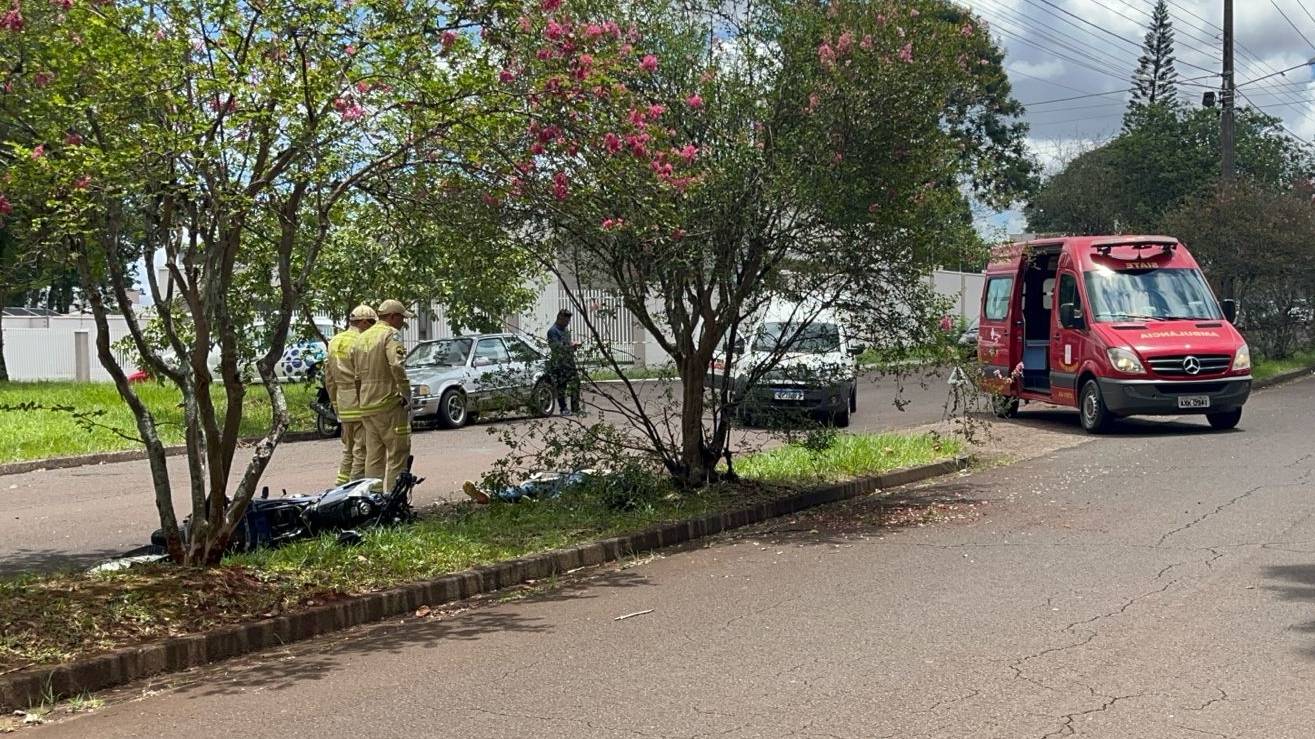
point(42, 434)
point(55, 618)
point(1266, 368)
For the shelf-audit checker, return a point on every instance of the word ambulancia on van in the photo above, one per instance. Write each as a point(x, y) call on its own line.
point(1113, 326)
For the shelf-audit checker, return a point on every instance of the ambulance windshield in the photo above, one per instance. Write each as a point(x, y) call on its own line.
point(1168, 294)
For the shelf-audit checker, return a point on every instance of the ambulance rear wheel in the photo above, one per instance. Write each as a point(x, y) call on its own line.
point(1004, 406)
point(1226, 420)
point(1096, 418)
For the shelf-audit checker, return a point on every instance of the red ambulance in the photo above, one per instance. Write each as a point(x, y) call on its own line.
point(1113, 326)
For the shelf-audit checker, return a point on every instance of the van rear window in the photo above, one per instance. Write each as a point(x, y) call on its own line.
point(999, 290)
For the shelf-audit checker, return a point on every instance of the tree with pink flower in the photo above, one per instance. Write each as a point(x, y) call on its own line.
point(778, 137)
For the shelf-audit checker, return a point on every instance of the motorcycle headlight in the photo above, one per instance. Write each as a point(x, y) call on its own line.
point(1125, 361)
point(1242, 360)
point(362, 507)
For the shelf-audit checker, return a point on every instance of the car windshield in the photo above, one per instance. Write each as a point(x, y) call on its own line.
point(1150, 294)
point(445, 353)
point(814, 338)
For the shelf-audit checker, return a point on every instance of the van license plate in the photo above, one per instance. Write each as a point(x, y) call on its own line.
point(788, 395)
point(1194, 401)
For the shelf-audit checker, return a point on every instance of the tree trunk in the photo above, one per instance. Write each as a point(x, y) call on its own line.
point(4, 368)
point(697, 462)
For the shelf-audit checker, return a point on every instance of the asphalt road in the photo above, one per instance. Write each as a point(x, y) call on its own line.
point(1155, 583)
point(80, 516)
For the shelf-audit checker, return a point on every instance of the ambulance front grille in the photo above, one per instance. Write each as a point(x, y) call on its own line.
point(1176, 365)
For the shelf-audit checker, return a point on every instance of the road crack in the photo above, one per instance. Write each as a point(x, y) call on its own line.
point(1067, 728)
point(1208, 514)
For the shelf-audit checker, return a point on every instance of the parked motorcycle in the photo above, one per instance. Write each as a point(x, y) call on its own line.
point(345, 509)
point(326, 420)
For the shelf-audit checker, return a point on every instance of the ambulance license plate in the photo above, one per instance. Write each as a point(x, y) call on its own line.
point(1194, 401)
point(788, 395)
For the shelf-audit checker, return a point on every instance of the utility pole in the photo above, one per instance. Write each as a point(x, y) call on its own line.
point(1226, 96)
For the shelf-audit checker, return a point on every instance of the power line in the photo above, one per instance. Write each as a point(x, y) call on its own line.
point(1021, 73)
point(1022, 28)
point(1020, 37)
point(1108, 32)
point(1294, 25)
point(1097, 94)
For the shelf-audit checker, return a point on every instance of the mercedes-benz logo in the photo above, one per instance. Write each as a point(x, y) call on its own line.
point(1192, 366)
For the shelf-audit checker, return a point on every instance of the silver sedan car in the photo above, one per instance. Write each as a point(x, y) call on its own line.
point(454, 380)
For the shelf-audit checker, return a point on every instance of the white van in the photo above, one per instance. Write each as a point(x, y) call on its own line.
point(815, 371)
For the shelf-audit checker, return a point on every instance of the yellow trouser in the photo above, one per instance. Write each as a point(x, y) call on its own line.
point(387, 444)
point(353, 452)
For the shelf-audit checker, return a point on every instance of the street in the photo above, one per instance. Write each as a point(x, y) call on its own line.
point(1159, 582)
point(79, 516)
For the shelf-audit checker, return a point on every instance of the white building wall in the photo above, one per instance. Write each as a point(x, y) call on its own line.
point(57, 347)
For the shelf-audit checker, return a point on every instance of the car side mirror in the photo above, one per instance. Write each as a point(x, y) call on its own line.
point(1230, 310)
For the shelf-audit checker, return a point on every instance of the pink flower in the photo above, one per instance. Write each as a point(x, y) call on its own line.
point(537, 148)
point(866, 43)
point(559, 186)
point(62, 4)
point(41, 79)
point(844, 43)
point(826, 55)
point(881, 19)
point(688, 152)
point(656, 111)
point(608, 223)
point(6, 207)
point(635, 117)
point(73, 139)
point(447, 39)
point(549, 6)
point(812, 103)
point(967, 30)
point(39, 151)
point(12, 20)
point(362, 86)
point(523, 23)
point(612, 28)
point(593, 30)
point(694, 101)
point(583, 64)
point(506, 76)
point(348, 109)
point(626, 50)
point(554, 31)
point(490, 199)
point(611, 142)
point(873, 208)
point(350, 49)
point(837, 157)
point(906, 52)
point(159, 34)
point(649, 63)
point(678, 234)
point(82, 182)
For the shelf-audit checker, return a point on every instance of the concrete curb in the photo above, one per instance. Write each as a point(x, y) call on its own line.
point(126, 455)
point(1279, 379)
point(29, 687)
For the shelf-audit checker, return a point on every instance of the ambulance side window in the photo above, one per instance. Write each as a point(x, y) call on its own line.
point(999, 290)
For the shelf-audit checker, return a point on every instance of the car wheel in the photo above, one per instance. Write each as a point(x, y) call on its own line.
point(1095, 416)
point(542, 400)
point(840, 419)
point(452, 409)
point(1226, 420)
point(1004, 406)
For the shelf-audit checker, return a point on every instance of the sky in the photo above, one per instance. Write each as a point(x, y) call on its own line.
point(1061, 54)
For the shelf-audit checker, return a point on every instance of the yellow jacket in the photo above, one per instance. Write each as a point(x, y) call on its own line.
point(378, 360)
point(340, 376)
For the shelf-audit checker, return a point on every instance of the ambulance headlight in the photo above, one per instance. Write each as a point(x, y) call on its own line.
point(1125, 361)
point(1242, 360)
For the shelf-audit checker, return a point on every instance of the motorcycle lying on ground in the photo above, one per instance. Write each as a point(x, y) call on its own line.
point(271, 522)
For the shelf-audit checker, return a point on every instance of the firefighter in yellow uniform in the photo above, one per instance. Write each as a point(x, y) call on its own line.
point(385, 393)
point(340, 382)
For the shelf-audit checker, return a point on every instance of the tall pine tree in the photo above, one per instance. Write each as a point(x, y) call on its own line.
point(1155, 83)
